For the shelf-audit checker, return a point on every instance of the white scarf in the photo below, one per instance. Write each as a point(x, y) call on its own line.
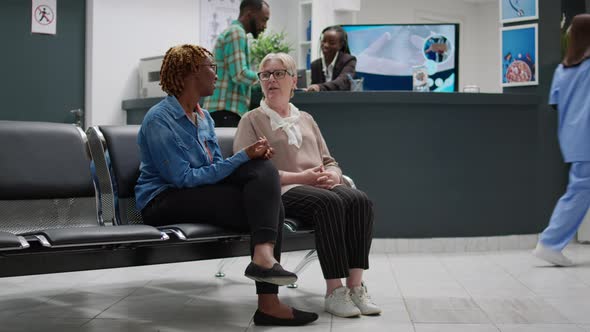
point(290, 124)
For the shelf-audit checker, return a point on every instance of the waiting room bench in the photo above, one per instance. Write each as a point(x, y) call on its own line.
point(47, 199)
point(53, 219)
point(120, 170)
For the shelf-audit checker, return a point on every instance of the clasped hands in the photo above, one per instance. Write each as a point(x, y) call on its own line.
point(320, 177)
point(317, 176)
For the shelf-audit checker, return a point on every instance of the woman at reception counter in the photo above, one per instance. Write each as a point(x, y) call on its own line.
point(335, 67)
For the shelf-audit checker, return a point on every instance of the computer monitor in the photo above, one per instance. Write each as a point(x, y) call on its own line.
point(388, 55)
point(301, 79)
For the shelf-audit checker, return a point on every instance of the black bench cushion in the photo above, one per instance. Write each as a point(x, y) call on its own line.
point(9, 241)
point(80, 236)
point(196, 231)
point(43, 160)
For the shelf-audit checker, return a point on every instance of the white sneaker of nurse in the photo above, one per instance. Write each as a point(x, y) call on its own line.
point(551, 256)
point(363, 301)
point(339, 303)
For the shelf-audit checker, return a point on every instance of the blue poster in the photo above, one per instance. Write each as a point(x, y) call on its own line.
point(519, 55)
point(518, 10)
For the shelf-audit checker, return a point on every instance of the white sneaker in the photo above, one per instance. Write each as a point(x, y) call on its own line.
point(339, 303)
point(551, 256)
point(363, 301)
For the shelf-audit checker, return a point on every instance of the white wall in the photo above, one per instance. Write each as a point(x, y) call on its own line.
point(487, 63)
point(119, 33)
point(479, 60)
point(283, 17)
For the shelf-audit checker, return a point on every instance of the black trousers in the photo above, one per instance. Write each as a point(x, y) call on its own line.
point(247, 200)
point(225, 118)
point(343, 221)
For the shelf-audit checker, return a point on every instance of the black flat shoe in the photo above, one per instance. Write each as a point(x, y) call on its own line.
point(299, 318)
point(275, 275)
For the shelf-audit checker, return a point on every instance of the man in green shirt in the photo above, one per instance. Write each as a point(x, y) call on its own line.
point(231, 98)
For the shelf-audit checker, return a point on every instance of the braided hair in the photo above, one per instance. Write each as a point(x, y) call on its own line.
point(180, 61)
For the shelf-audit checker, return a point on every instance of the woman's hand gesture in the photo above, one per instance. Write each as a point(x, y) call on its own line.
point(313, 88)
point(259, 149)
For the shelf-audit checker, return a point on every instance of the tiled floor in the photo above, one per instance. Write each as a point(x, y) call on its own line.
point(461, 292)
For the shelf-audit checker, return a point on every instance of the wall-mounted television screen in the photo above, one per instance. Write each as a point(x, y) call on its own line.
point(422, 57)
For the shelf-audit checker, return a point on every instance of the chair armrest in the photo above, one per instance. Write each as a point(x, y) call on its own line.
point(348, 181)
point(9, 241)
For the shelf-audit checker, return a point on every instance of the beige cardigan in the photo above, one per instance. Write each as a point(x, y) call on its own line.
point(289, 158)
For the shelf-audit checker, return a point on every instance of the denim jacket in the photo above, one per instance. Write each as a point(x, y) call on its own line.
point(173, 152)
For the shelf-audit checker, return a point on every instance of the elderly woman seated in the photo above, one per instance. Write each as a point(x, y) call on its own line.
point(311, 187)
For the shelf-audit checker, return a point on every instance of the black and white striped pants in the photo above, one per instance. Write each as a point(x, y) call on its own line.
point(343, 221)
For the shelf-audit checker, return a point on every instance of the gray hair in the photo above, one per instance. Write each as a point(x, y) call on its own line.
point(284, 58)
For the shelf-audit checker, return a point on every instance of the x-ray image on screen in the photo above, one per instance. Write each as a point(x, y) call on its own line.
point(387, 54)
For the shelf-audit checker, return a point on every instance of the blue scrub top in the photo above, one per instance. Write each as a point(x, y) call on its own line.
point(570, 91)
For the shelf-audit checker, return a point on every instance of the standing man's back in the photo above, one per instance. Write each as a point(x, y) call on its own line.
point(231, 98)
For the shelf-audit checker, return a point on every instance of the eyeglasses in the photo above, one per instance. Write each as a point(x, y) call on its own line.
point(278, 74)
point(212, 65)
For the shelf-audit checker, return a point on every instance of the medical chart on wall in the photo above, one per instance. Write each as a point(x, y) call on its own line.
point(216, 15)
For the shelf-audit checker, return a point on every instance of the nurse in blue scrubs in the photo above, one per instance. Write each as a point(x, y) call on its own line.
point(569, 93)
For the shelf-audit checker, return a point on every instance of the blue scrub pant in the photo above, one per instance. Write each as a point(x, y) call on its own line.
point(570, 209)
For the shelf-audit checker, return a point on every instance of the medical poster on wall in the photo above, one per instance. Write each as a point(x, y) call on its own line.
point(216, 15)
point(520, 55)
point(518, 10)
point(44, 17)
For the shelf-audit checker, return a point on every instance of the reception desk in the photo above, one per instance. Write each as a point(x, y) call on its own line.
point(440, 165)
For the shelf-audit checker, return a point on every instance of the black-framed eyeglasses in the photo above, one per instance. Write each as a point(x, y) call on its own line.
point(278, 74)
point(212, 65)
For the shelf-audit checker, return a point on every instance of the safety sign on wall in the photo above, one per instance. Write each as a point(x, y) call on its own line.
point(44, 16)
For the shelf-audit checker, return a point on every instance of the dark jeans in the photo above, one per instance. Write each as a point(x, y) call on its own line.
point(247, 200)
point(225, 118)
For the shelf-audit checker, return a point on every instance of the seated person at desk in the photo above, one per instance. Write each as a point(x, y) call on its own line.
point(311, 187)
point(183, 178)
point(334, 69)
